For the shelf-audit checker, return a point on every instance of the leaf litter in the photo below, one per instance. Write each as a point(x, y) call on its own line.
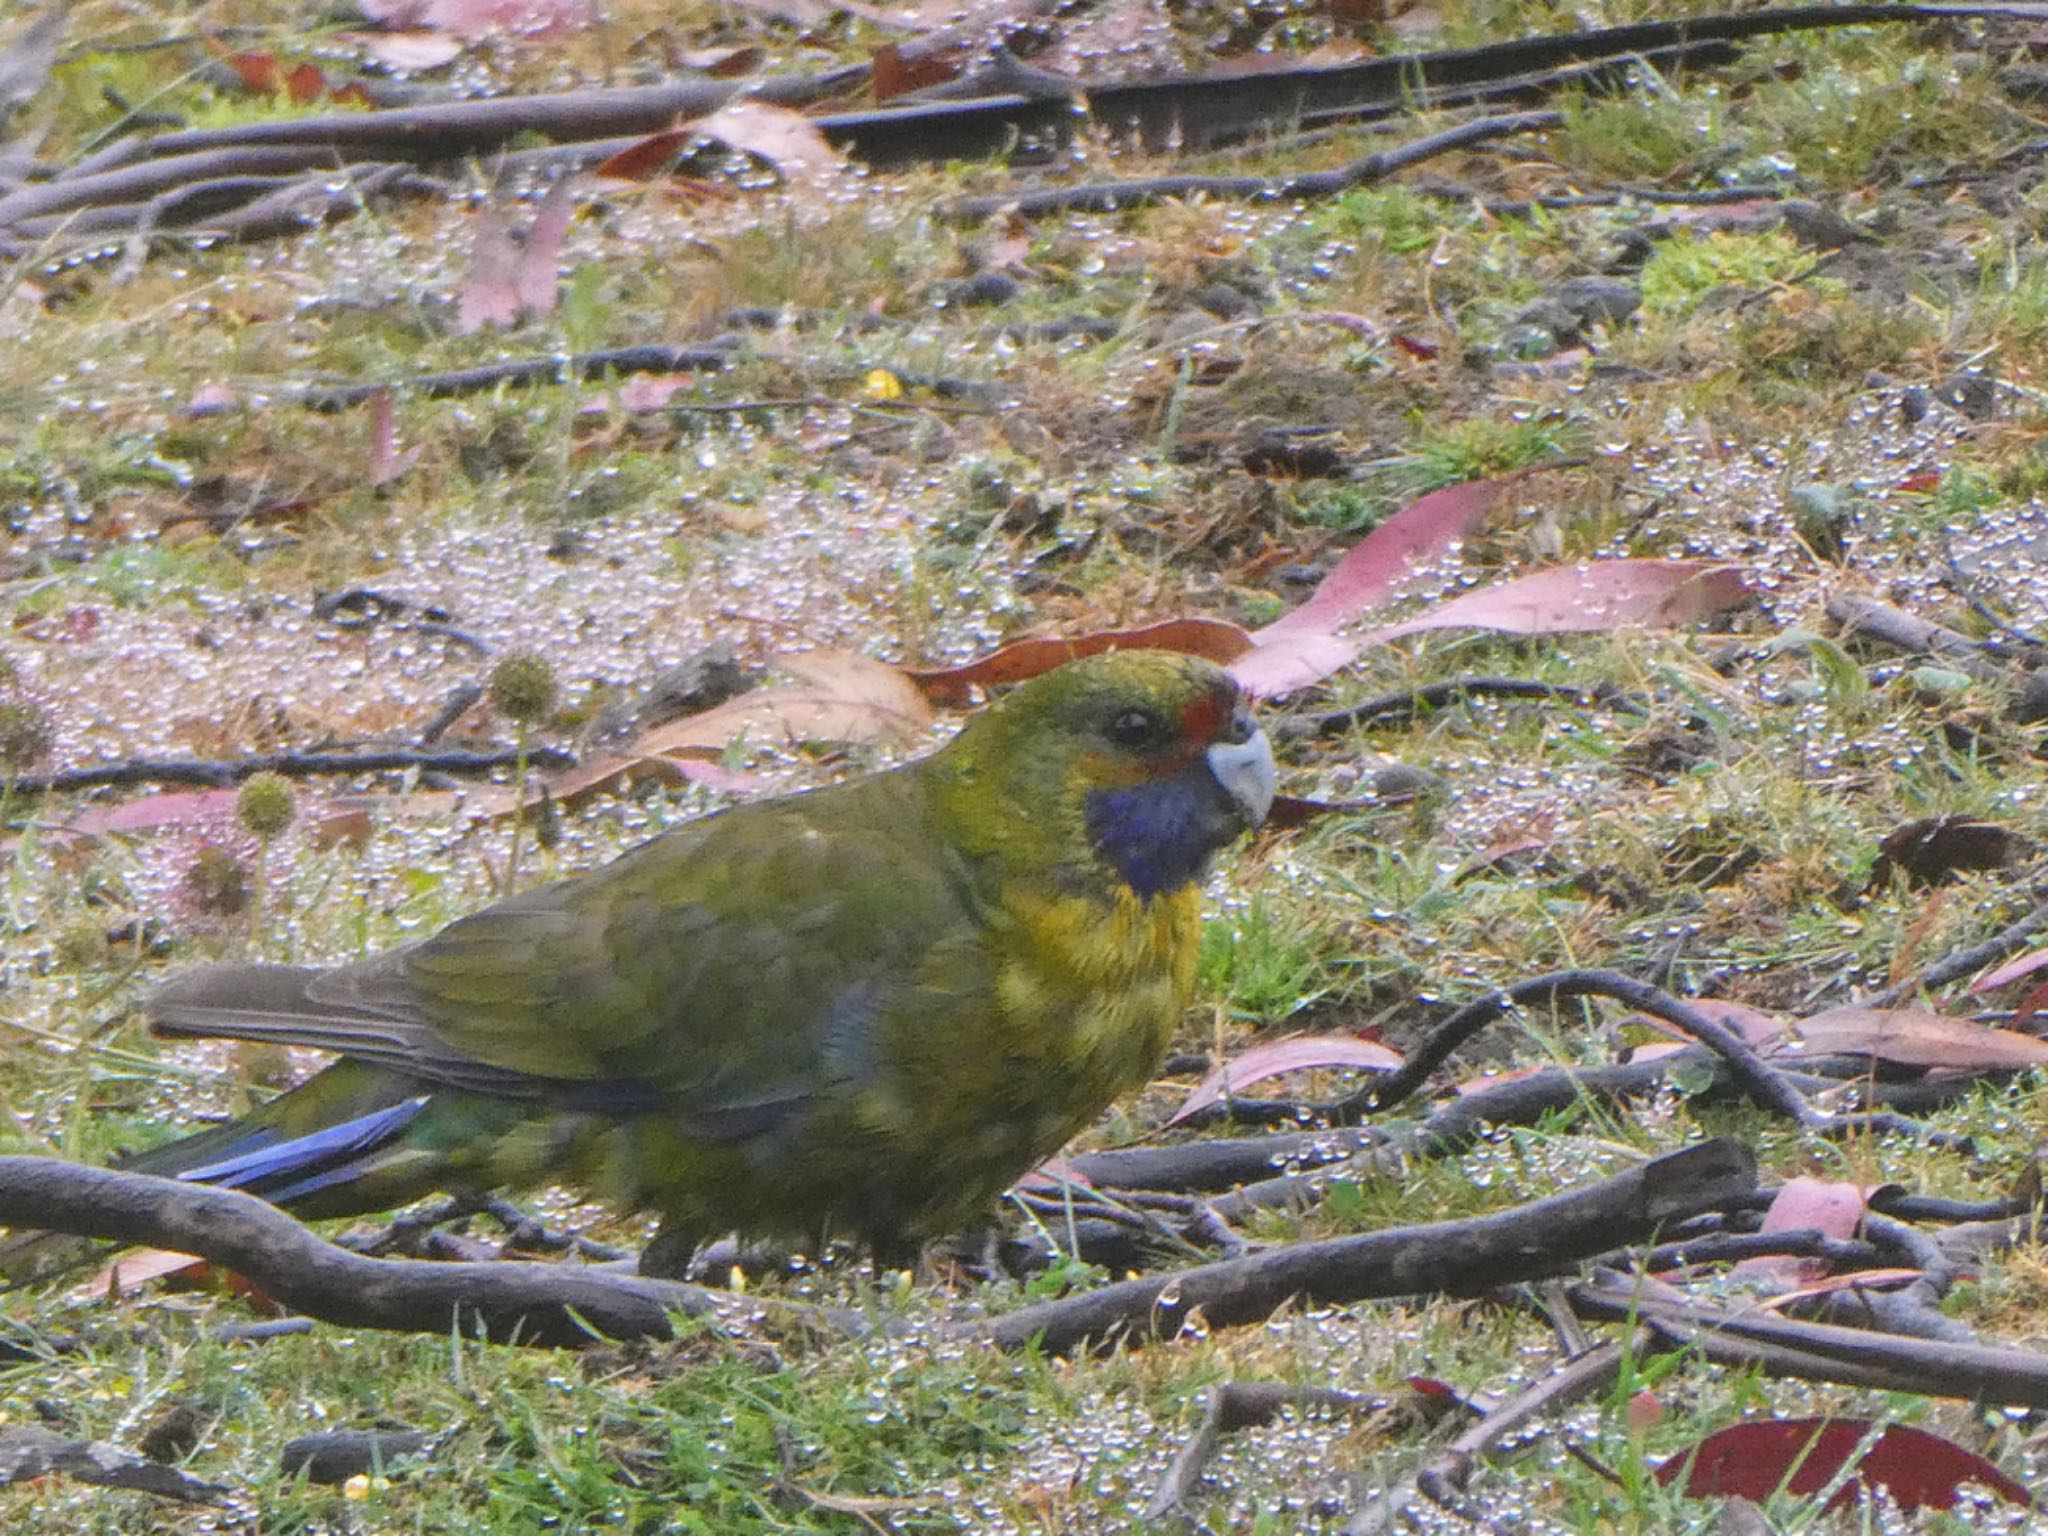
point(840, 568)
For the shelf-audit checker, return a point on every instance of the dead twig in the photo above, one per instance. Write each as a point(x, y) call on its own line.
point(223, 772)
point(530, 370)
point(1111, 196)
point(1783, 1346)
point(1403, 703)
point(542, 1304)
point(1444, 1477)
point(1220, 1164)
point(1867, 618)
point(1236, 1405)
point(1964, 962)
point(1763, 1083)
point(28, 1451)
point(1523, 1242)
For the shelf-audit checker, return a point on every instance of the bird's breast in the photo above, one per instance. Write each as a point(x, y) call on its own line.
point(1093, 989)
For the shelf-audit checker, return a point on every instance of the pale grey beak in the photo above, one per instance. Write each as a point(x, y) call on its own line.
point(1245, 770)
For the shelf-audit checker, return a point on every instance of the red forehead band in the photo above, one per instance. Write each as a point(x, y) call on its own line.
point(1201, 720)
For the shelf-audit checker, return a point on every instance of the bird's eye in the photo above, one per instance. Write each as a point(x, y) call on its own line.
point(1134, 727)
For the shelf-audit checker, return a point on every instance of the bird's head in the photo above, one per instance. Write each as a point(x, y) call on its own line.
point(1133, 766)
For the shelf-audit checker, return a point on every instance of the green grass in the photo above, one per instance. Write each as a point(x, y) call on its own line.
point(1726, 834)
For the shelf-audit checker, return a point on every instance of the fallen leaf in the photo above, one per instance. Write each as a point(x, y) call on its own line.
point(1645, 1412)
point(129, 1272)
point(841, 697)
point(1510, 839)
point(1829, 1285)
point(1917, 1470)
point(787, 140)
point(1824, 1205)
point(1911, 1037)
point(2030, 1005)
point(652, 391)
point(2011, 971)
point(1289, 811)
point(1302, 646)
point(536, 279)
point(649, 158)
point(306, 84)
point(724, 63)
point(1758, 1027)
point(1597, 595)
point(1305, 645)
point(713, 775)
point(509, 279)
point(1217, 639)
point(407, 52)
point(489, 295)
point(1053, 1175)
point(896, 71)
point(258, 70)
point(387, 461)
point(1294, 1053)
point(176, 808)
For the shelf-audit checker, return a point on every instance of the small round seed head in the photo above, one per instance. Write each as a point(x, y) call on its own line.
point(26, 734)
point(265, 805)
point(523, 686)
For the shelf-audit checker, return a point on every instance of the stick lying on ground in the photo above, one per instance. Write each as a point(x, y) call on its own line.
point(1523, 1242)
point(547, 1304)
point(570, 1305)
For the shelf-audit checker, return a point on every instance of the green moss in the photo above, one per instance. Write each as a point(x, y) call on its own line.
point(1686, 269)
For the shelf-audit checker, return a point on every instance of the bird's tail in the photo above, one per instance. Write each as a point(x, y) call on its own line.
point(336, 1145)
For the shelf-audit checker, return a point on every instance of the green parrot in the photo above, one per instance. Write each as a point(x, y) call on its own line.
point(866, 1009)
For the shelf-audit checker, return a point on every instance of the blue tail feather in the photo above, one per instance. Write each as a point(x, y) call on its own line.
point(317, 1160)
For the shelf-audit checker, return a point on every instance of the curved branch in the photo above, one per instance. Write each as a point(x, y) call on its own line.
point(1523, 1242)
point(1113, 196)
point(1762, 1083)
point(222, 772)
point(544, 1304)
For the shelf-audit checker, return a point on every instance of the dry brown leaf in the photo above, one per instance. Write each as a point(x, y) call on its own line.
point(840, 696)
point(1911, 1037)
point(787, 140)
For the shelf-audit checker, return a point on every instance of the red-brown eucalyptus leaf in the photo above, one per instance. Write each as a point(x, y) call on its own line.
point(1305, 646)
point(489, 295)
point(2012, 970)
point(1295, 1053)
point(1824, 1205)
point(1597, 595)
point(1916, 1469)
point(1217, 639)
point(537, 279)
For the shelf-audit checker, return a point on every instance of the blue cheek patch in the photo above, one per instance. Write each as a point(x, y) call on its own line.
point(1159, 835)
